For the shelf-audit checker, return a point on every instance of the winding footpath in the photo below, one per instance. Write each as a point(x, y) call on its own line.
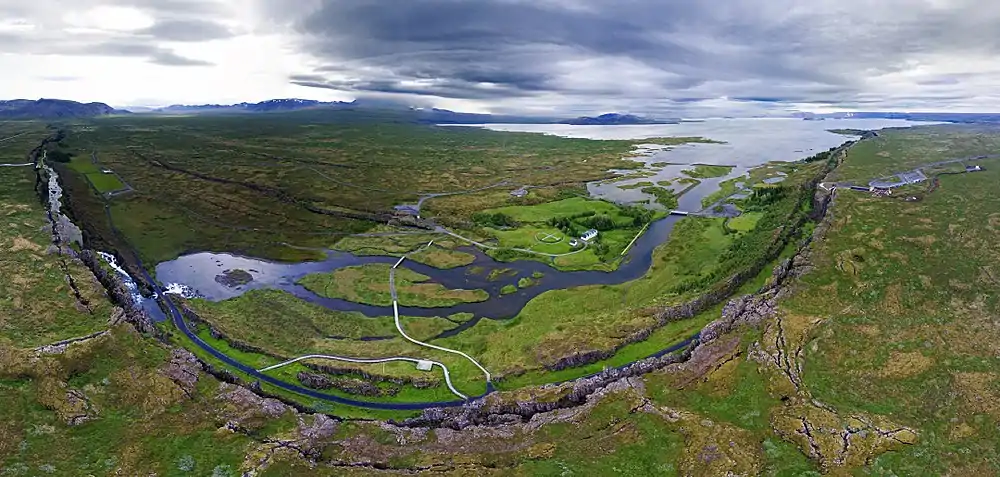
point(181, 324)
point(177, 318)
point(447, 375)
point(399, 326)
point(13, 137)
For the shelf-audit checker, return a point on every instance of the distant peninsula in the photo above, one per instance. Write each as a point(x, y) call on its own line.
point(616, 119)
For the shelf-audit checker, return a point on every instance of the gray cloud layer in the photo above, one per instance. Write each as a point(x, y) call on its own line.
point(660, 56)
point(46, 33)
point(664, 57)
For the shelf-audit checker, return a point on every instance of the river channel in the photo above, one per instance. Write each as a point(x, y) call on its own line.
point(746, 146)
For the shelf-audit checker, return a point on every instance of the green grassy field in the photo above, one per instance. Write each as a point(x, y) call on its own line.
point(309, 179)
point(105, 182)
point(900, 290)
point(889, 331)
point(399, 242)
point(562, 208)
point(281, 325)
point(703, 171)
point(369, 284)
point(549, 228)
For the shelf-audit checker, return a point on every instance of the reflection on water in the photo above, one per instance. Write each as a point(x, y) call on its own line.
point(198, 272)
point(749, 142)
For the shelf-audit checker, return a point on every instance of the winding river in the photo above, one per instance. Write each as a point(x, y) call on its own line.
point(748, 143)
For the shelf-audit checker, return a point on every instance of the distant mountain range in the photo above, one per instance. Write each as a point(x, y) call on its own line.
point(53, 109)
point(60, 109)
point(261, 107)
point(612, 119)
point(422, 115)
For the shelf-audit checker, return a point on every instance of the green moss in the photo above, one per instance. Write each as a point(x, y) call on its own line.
point(745, 222)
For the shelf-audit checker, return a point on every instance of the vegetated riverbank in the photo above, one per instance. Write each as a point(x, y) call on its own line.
point(505, 409)
point(695, 285)
point(367, 284)
point(805, 209)
point(737, 253)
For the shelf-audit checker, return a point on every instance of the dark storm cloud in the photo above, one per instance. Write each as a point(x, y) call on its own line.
point(648, 54)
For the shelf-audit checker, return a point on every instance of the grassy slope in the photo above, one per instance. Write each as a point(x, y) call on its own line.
point(369, 284)
point(37, 305)
point(285, 326)
point(904, 292)
point(141, 421)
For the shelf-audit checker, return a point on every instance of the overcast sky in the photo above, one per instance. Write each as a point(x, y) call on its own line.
point(656, 57)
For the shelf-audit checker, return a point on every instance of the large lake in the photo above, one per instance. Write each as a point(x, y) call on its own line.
point(747, 143)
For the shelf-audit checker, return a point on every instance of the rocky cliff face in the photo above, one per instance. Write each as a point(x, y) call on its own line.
point(119, 294)
point(353, 386)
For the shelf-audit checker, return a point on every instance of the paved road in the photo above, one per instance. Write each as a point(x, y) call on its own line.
point(852, 186)
point(181, 324)
point(12, 137)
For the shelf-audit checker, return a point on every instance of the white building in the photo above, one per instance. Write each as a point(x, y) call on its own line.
point(424, 365)
point(589, 235)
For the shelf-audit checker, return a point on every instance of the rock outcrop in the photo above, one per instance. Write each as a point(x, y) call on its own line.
point(354, 386)
point(119, 293)
point(184, 370)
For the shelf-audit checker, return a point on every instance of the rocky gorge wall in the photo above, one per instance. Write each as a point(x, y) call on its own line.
point(511, 408)
point(721, 291)
point(70, 249)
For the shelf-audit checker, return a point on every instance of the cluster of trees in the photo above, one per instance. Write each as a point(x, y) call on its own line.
point(749, 249)
point(762, 197)
point(640, 215)
point(571, 224)
point(496, 220)
point(576, 224)
point(55, 151)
